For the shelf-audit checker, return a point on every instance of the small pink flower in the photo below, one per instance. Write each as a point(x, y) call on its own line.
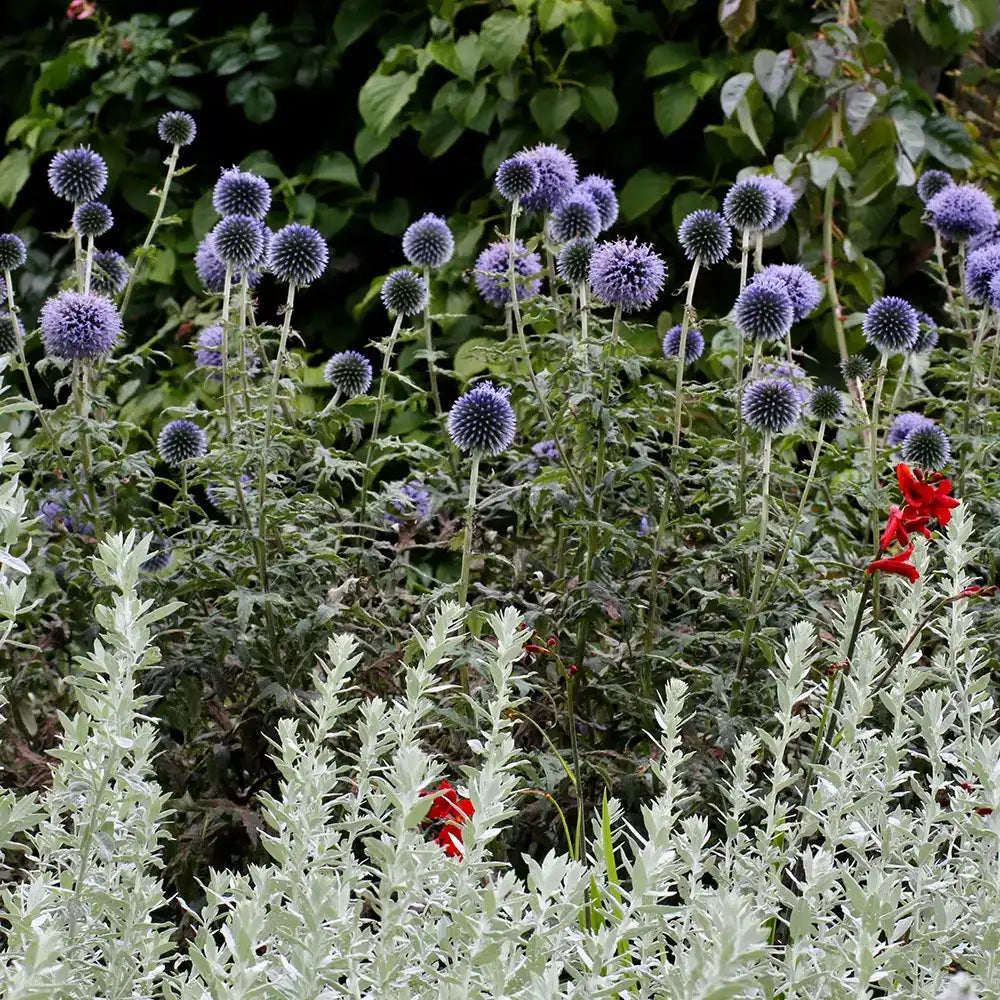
point(80, 10)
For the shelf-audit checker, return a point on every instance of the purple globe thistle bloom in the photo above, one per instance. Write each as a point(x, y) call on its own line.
point(545, 449)
point(573, 261)
point(793, 373)
point(92, 218)
point(349, 372)
point(76, 326)
point(645, 528)
point(482, 421)
point(602, 193)
point(980, 267)
point(932, 182)
point(208, 353)
point(491, 272)
point(903, 425)
point(77, 174)
point(826, 404)
point(212, 271)
point(556, 178)
point(927, 338)
point(983, 238)
point(239, 192)
point(705, 235)
point(764, 310)
point(54, 515)
point(995, 291)
point(177, 128)
point(784, 201)
point(11, 333)
point(411, 502)
point(428, 242)
point(890, 325)
point(180, 441)
point(237, 241)
point(404, 293)
point(627, 274)
point(771, 405)
point(961, 211)
point(13, 252)
point(160, 556)
point(926, 447)
point(803, 289)
point(109, 273)
point(298, 254)
point(517, 177)
point(749, 207)
point(855, 368)
point(694, 344)
point(576, 218)
point(218, 494)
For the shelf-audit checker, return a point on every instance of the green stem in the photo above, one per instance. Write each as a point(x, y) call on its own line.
point(741, 452)
point(964, 291)
point(577, 768)
point(22, 357)
point(88, 264)
point(682, 347)
point(939, 253)
point(86, 454)
point(873, 447)
point(429, 342)
point(227, 403)
point(470, 513)
point(241, 346)
point(78, 257)
point(970, 388)
point(900, 382)
point(758, 253)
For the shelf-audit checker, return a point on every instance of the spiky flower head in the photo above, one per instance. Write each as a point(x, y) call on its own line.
point(491, 272)
point(409, 502)
point(177, 128)
point(705, 235)
point(927, 338)
point(13, 252)
point(237, 241)
point(109, 273)
point(404, 292)
point(771, 405)
point(78, 326)
point(212, 271)
point(784, 201)
point(855, 368)
point(482, 421)
point(208, 353)
point(222, 494)
point(627, 273)
point(764, 310)
point(961, 211)
point(803, 289)
point(556, 178)
point(694, 344)
point(11, 333)
point(350, 373)
point(517, 177)
point(826, 404)
point(92, 218)
point(932, 182)
point(792, 371)
point(180, 441)
point(981, 239)
point(891, 325)
point(749, 207)
point(240, 192)
point(298, 254)
point(573, 262)
point(576, 218)
point(55, 515)
point(160, 556)
point(428, 242)
point(77, 174)
point(602, 191)
point(545, 449)
point(904, 425)
point(980, 267)
point(927, 447)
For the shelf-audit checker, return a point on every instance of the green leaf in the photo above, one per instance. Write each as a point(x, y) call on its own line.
point(601, 105)
point(552, 108)
point(180, 17)
point(439, 132)
point(354, 18)
point(734, 91)
point(822, 167)
point(670, 56)
point(702, 81)
point(745, 117)
point(876, 173)
point(688, 202)
point(469, 53)
point(260, 104)
point(644, 191)
point(736, 17)
point(673, 105)
point(382, 98)
point(774, 72)
point(471, 357)
point(336, 167)
point(15, 168)
point(909, 130)
point(503, 36)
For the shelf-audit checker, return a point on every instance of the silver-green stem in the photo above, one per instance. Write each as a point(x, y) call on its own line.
point(939, 253)
point(873, 446)
point(758, 254)
point(227, 402)
point(741, 451)
point(758, 349)
point(88, 264)
point(682, 348)
point(78, 257)
point(429, 342)
point(900, 383)
point(965, 292)
point(970, 388)
point(22, 357)
point(86, 454)
point(470, 513)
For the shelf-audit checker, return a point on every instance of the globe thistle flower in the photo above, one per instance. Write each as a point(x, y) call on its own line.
point(626, 273)
point(994, 298)
point(576, 218)
point(694, 344)
point(784, 201)
point(350, 373)
point(961, 211)
point(980, 267)
point(177, 128)
point(212, 271)
point(927, 337)
point(428, 242)
point(180, 441)
point(927, 448)
point(855, 368)
point(791, 371)
point(79, 326)
point(556, 178)
point(749, 207)
point(545, 449)
point(77, 174)
point(517, 177)
point(803, 289)
point(11, 333)
point(13, 253)
point(218, 494)
point(573, 261)
point(109, 273)
point(705, 235)
point(298, 254)
point(237, 241)
point(404, 292)
point(54, 513)
point(771, 405)
point(208, 353)
point(645, 526)
point(932, 182)
point(239, 192)
point(482, 421)
point(764, 310)
point(160, 556)
point(410, 502)
point(602, 192)
point(826, 404)
point(891, 325)
point(92, 218)
point(491, 272)
point(983, 238)
point(904, 425)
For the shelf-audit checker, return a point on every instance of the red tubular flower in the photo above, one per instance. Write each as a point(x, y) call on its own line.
point(929, 499)
point(454, 811)
point(895, 529)
point(898, 565)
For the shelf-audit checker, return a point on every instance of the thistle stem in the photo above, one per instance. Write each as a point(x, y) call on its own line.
point(227, 403)
point(22, 357)
point(78, 257)
point(758, 253)
point(470, 513)
point(88, 264)
point(241, 347)
point(429, 342)
point(741, 453)
point(970, 388)
point(86, 454)
point(681, 348)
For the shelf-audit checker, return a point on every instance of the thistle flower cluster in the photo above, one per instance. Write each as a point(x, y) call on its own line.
point(77, 326)
point(576, 218)
point(492, 267)
point(92, 218)
point(932, 182)
point(573, 261)
point(771, 405)
point(750, 206)
point(11, 333)
point(212, 271)
point(927, 447)
point(803, 289)
point(208, 353)
point(237, 241)
point(855, 368)
point(764, 309)
point(903, 425)
point(890, 325)
point(482, 421)
point(240, 192)
point(627, 274)
point(350, 373)
point(404, 293)
point(694, 344)
point(109, 273)
point(826, 404)
point(927, 336)
point(557, 177)
point(297, 254)
point(13, 252)
point(428, 242)
point(705, 236)
point(784, 201)
point(177, 128)
point(960, 211)
point(410, 502)
point(981, 266)
point(181, 441)
point(601, 191)
point(517, 177)
point(77, 174)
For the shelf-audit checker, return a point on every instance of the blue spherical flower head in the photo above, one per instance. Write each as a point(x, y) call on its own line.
point(803, 289)
point(545, 449)
point(602, 192)
point(239, 192)
point(13, 252)
point(791, 371)
point(890, 325)
point(491, 272)
point(932, 182)
point(694, 344)
point(160, 556)
point(428, 242)
point(826, 404)
point(927, 448)
point(556, 178)
point(177, 128)
point(994, 297)
point(92, 218)
point(705, 235)
point(927, 338)
point(11, 333)
point(903, 425)
point(410, 502)
point(55, 516)
point(219, 495)
point(517, 177)
point(404, 293)
point(237, 241)
point(79, 327)
point(983, 238)
point(109, 273)
point(212, 272)
point(980, 267)
point(575, 219)
point(855, 368)
point(350, 373)
point(749, 207)
point(626, 273)
point(77, 174)
point(298, 254)
point(482, 421)
point(208, 353)
point(180, 441)
point(764, 310)
point(771, 405)
point(784, 201)
point(573, 261)
point(961, 211)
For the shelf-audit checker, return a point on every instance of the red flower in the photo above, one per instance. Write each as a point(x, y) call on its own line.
point(80, 10)
point(895, 529)
point(898, 565)
point(926, 498)
point(454, 811)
